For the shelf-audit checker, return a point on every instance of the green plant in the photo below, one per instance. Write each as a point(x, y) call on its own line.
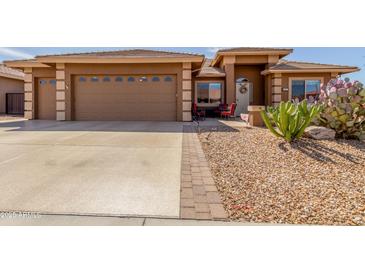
point(290, 120)
point(343, 108)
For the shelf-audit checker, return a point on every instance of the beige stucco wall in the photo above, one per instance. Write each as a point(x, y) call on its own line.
point(253, 74)
point(8, 85)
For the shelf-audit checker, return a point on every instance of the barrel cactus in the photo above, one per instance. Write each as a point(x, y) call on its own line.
point(290, 119)
point(343, 108)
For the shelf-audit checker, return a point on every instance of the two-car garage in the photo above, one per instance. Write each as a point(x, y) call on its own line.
point(124, 97)
point(124, 85)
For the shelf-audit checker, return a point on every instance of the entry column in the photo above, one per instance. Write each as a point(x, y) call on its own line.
point(276, 89)
point(28, 94)
point(60, 92)
point(186, 92)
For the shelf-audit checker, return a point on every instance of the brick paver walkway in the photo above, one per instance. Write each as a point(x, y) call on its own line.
point(199, 196)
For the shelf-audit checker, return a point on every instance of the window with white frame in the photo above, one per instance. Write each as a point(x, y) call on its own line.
point(209, 93)
point(305, 89)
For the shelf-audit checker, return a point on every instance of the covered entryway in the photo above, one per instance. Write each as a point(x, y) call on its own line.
point(46, 107)
point(15, 103)
point(124, 97)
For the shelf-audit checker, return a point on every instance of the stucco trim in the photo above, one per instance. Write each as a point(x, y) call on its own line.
point(60, 74)
point(28, 87)
point(28, 114)
point(276, 81)
point(187, 116)
point(186, 84)
point(28, 106)
point(61, 116)
point(187, 95)
point(186, 74)
point(60, 95)
point(60, 85)
point(28, 96)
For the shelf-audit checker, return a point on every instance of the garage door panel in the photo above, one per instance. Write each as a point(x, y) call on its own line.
point(142, 99)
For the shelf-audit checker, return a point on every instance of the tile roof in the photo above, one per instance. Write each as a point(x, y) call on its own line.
point(297, 65)
point(126, 53)
point(208, 71)
point(10, 73)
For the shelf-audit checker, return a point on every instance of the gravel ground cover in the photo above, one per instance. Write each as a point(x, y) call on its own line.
point(263, 179)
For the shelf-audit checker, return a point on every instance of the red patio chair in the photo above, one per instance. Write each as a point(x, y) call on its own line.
point(198, 114)
point(229, 113)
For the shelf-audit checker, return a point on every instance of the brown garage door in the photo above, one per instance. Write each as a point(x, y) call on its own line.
point(125, 97)
point(46, 103)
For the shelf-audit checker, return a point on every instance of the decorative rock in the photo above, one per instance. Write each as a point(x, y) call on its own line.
point(319, 133)
point(261, 179)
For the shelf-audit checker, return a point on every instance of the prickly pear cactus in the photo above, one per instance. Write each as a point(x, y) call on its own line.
point(343, 108)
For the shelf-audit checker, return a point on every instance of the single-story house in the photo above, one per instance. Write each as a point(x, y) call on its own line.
point(11, 91)
point(160, 85)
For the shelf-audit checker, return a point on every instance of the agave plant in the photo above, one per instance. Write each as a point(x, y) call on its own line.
point(290, 119)
point(343, 108)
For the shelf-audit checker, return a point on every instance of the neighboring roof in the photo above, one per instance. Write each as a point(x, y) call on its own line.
point(296, 66)
point(11, 73)
point(281, 52)
point(209, 71)
point(142, 53)
point(29, 63)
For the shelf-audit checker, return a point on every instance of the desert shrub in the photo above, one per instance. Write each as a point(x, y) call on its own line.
point(289, 120)
point(343, 108)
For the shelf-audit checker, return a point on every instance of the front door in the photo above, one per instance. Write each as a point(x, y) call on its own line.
point(243, 96)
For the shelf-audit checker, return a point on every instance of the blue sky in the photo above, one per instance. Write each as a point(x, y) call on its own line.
point(326, 55)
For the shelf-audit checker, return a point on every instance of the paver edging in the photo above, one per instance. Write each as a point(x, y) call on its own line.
point(199, 197)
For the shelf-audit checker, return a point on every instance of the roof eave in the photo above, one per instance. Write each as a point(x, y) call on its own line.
point(338, 70)
point(218, 56)
point(25, 64)
point(120, 60)
point(266, 52)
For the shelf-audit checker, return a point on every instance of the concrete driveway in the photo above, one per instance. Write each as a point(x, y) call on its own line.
point(102, 168)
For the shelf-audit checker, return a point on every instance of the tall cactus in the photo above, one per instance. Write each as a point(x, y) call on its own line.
point(290, 119)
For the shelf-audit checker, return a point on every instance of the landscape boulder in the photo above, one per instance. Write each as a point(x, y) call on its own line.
point(319, 133)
